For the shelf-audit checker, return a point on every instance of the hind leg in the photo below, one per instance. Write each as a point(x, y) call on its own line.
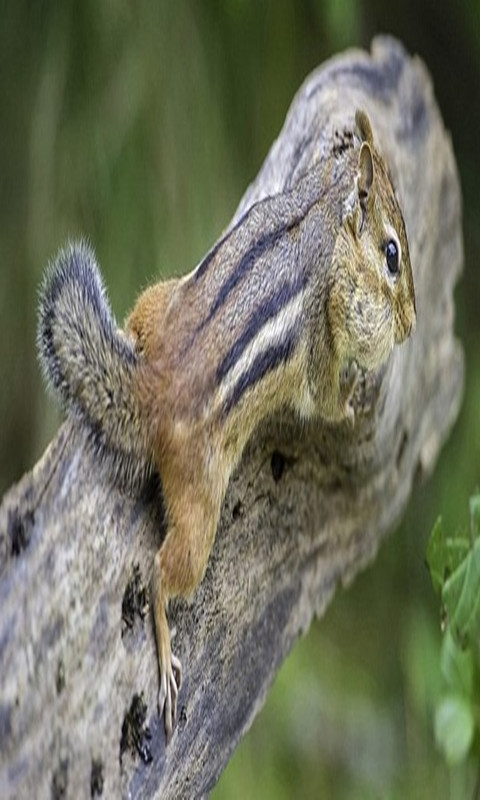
point(179, 567)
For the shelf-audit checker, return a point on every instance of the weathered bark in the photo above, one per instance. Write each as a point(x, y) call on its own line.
point(306, 510)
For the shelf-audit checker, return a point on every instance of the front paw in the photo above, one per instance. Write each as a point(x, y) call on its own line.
point(349, 414)
point(348, 381)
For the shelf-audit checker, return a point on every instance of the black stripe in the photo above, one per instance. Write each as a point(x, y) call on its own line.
point(259, 247)
point(264, 363)
point(267, 311)
point(262, 245)
point(204, 265)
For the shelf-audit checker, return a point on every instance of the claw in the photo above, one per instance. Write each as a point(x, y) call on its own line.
point(170, 681)
point(348, 382)
point(350, 378)
point(350, 414)
point(169, 667)
point(177, 667)
point(177, 674)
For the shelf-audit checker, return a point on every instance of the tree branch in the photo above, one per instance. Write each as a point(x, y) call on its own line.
point(306, 510)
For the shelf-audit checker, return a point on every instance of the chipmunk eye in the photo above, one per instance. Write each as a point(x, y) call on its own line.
point(392, 256)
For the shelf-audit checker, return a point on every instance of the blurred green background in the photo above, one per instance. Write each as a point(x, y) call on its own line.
point(140, 125)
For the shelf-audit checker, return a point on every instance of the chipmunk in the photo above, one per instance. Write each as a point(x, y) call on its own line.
point(310, 285)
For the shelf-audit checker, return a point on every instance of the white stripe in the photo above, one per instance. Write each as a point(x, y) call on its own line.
point(270, 334)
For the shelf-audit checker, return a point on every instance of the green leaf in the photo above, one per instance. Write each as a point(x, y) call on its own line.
point(454, 728)
point(436, 556)
point(457, 666)
point(461, 598)
point(444, 555)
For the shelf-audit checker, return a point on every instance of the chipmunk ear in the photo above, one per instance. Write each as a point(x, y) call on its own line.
point(356, 206)
point(363, 126)
point(365, 159)
point(365, 174)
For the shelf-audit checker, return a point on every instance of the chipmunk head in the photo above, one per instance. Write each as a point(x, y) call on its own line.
point(372, 260)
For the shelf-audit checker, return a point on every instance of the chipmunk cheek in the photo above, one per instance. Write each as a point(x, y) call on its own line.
point(402, 328)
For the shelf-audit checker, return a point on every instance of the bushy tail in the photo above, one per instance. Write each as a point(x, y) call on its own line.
point(90, 363)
